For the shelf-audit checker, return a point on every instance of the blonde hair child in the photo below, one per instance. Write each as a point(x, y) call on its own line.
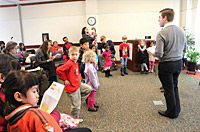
point(91, 78)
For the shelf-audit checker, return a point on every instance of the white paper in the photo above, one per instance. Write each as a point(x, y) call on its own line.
point(51, 97)
point(35, 69)
point(55, 56)
point(158, 102)
point(130, 50)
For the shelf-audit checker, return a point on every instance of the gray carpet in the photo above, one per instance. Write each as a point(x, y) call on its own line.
point(126, 105)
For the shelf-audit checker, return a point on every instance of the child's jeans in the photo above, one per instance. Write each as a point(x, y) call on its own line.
point(91, 101)
point(77, 97)
point(123, 62)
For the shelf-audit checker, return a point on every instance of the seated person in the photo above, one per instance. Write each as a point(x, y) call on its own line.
point(101, 47)
point(11, 50)
point(44, 61)
point(21, 51)
point(66, 47)
point(55, 47)
point(6, 65)
point(2, 46)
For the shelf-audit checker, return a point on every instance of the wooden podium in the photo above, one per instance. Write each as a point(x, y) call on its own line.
point(133, 64)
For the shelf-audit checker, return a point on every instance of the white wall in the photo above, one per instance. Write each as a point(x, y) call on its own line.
point(134, 18)
point(9, 24)
point(59, 20)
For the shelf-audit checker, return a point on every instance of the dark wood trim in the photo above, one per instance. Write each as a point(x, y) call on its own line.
point(49, 2)
point(117, 43)
point(37, 46)
point(117, 62)
point(76, 44)
point(13, 5)
point(39, 3)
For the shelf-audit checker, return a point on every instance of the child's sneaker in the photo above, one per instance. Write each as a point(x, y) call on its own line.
point(96, 106)
point(80, 120)
point(93, 109)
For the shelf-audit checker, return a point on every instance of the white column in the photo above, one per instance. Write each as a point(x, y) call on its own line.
point(197, 26)
point(188, 16)
point(20, 23)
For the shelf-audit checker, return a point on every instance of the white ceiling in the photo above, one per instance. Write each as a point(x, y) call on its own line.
point(11, 2)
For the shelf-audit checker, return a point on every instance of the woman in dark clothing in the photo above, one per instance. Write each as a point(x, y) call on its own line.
point(85, 34)
point(11, 50)
point(46, 62)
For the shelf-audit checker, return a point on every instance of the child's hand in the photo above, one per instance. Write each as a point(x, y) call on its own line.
point(67, 82)
point(121, 58)
point(23, 68)
point(138, 46)
point(95, 64)
point(49, 60)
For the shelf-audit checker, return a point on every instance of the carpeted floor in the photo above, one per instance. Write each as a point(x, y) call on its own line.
point(126, 105)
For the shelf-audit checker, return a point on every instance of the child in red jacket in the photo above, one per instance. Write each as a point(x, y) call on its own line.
point(22, 114)
point(69, 73)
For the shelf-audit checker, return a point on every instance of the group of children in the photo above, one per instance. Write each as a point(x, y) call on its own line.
point(145, 56)
point(21, 88)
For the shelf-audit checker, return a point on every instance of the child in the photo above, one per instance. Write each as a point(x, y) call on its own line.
point(93, 34)
point(93, 48)
point(55, 47)
point(69, 73)
point(6, 65)
point(21, 51)
point(22, 114)
point(91, 78)
point(107, 60)
point(124, 54)
point(151, 51)
point(143, 57)
point(84, 43)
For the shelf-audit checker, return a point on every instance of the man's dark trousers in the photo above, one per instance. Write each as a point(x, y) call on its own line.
point(168, 74)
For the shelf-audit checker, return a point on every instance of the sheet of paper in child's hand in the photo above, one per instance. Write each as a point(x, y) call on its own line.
point(51, 97)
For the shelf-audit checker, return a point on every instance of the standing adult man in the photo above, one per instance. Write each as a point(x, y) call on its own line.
point(170, 45)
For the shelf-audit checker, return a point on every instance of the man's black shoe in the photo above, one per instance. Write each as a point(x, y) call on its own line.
point(163, 113)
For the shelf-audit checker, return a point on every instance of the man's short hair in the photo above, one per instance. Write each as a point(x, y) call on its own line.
point(102, 37)
point(83, 40)
point(73, 48)
point(64, 38)
point(169, 13)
